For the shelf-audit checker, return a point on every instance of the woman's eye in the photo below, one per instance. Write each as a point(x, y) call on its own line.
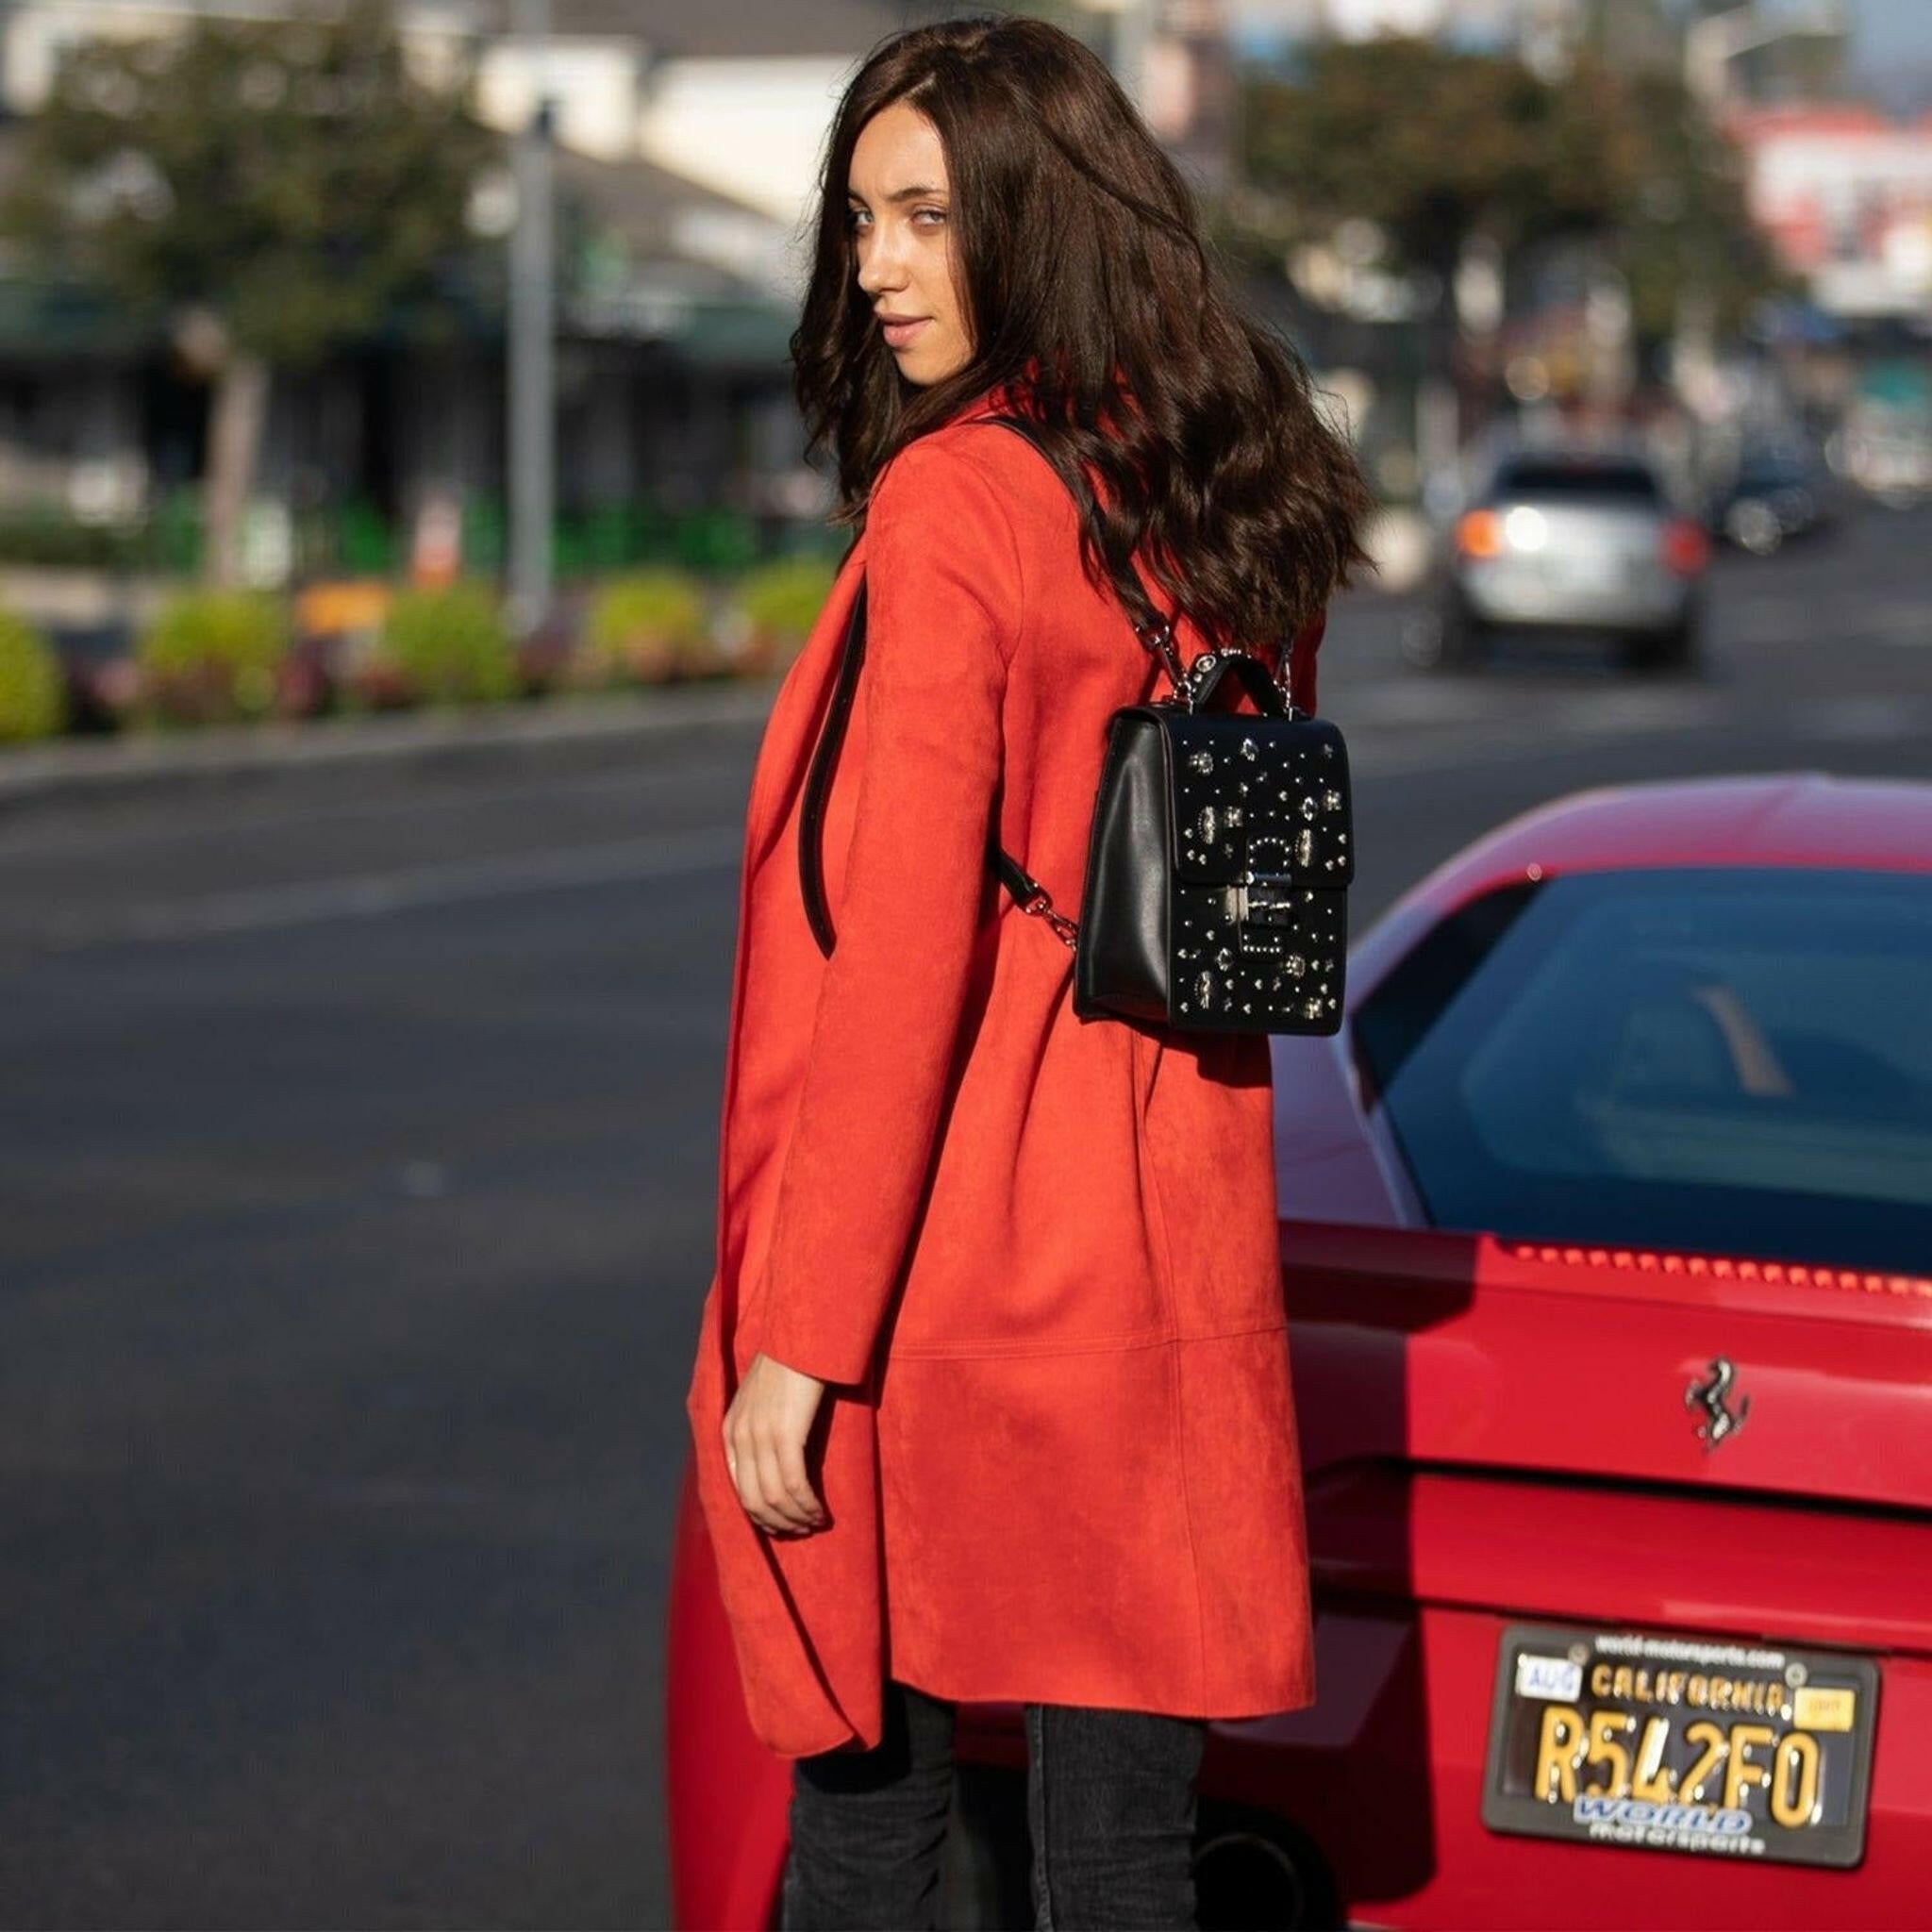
point(931, 217)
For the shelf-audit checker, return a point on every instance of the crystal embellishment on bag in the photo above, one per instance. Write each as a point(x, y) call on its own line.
point(1251, 936)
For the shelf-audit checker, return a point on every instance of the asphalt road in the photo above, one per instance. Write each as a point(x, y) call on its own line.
point(357, 1145)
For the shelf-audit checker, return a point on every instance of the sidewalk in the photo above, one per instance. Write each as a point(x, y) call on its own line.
point(532, 733)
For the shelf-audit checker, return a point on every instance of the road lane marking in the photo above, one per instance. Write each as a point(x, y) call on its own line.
point(35, 839)
point(364, 895)
point(1375, 753)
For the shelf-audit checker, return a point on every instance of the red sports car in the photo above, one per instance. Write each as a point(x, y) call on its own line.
point(1607, 1243)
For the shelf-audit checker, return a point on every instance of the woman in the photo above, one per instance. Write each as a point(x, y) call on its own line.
point(992, 1398)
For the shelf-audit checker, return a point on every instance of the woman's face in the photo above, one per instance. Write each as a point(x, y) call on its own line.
point(900, 232)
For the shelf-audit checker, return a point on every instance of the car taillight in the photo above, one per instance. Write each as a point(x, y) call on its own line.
point(1480, 534)
point(1686, 548)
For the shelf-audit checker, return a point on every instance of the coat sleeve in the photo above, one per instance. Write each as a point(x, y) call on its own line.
point(943, 608)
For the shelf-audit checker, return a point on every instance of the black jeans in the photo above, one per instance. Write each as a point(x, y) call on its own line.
point(1110, 1805)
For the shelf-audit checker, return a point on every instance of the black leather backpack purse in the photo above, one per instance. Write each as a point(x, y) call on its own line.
point(1218, 857)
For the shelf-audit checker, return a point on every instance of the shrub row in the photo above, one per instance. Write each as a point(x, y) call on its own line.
point(211, 656)
point(33, 691)
point(354, 537)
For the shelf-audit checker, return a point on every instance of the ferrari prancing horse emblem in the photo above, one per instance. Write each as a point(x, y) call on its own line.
point(1720, 1419)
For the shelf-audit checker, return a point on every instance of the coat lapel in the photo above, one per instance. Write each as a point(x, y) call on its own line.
point(792, 728)
point(783, 759)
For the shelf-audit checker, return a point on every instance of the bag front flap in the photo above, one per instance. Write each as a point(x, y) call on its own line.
point(1264, 796)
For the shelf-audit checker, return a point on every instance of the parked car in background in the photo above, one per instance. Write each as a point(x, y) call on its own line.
point(1567, 541)
point(1887, 453)
point(1776, 493)
point(1605, 1232)
point(1885, 439)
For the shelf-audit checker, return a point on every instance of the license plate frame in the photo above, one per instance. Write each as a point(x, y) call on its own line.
point(1827, 1697)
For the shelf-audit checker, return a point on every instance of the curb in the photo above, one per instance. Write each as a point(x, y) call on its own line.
point(543, 732)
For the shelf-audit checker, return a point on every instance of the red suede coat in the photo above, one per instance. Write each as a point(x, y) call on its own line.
point(1035, 1256)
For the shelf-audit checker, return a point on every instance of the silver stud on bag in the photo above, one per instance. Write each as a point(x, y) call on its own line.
point(1209, 826)
point(1202, 760)
point(1204, 988)
point(1248, 749)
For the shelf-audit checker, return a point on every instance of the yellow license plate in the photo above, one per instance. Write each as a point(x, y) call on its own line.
point(1674, 1744)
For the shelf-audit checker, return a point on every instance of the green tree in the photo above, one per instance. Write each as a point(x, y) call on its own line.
point(1686, 233)
point(266, 191)
point(1427, 143)
point(1435, 145)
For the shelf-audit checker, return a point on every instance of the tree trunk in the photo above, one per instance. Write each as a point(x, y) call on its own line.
point(240, 409)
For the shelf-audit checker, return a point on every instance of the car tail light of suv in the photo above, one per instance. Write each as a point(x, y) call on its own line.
point(1685, 547)
point(1479, 534)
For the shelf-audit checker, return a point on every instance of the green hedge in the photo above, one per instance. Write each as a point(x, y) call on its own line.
point(782, 601)
point(212, 655)
point(451, 644)
point(645, 626)
point(33, 692)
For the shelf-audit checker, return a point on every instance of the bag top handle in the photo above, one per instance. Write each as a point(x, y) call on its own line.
point(1210, 667)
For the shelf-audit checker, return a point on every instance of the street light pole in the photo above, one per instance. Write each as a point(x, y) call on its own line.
point(532, 424)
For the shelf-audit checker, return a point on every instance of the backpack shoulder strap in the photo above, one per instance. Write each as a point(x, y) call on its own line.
point(1155, 631)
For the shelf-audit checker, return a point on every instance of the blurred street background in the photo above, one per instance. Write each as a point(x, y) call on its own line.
point(403, 528)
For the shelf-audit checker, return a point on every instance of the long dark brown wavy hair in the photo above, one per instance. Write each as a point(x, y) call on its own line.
point(1089, 292)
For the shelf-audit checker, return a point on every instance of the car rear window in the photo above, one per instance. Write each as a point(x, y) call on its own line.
point(1625, 482)
point(1737, 1060)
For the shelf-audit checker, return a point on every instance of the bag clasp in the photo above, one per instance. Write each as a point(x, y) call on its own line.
point(1265, 898)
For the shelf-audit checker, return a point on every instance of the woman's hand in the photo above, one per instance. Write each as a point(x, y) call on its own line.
point(765, 1429)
